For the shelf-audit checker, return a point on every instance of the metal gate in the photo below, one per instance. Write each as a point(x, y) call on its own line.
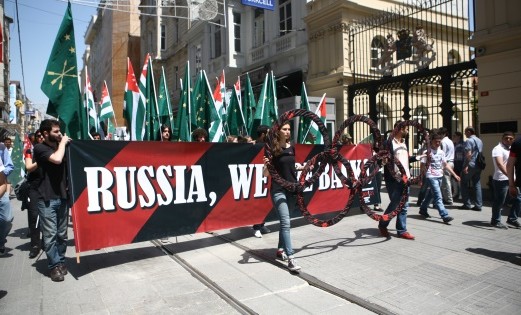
point(412, 63)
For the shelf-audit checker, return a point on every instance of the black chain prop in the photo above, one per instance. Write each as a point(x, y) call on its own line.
point(330, 155)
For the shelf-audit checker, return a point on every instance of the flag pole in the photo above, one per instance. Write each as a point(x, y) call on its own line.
point(155, 96)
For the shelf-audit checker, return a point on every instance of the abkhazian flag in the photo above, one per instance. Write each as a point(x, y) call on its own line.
point(60, 82)
point(219, 95)
point(320, 112)
point(90, 105)
point(304, 122)
point(163, 102)
point(234, 116)
point(148, 98)
point(107, 111)
point(132, 111)
point(183, 124)
point(266, 112)
point(248, 105)
point(206, 111)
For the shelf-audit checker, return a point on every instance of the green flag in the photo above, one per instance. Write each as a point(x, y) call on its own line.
point(303, 125)
point(60, 81)
point(18, 162)
point(163, 102)
point(266, 111)
point(206, 111)
point(248, 105)
point(183, 125)
point(132, 111)
point(147, 97)
point(234, 116)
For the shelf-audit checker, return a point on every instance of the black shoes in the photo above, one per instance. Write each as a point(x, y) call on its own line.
point(498, 225)
point(464, 207)
point(447, 219)
point(514, 223)
point(35, 250)
point(63, 269)
point(476, 208)
point(56, 274)
point(264, 230)
point(424, 214)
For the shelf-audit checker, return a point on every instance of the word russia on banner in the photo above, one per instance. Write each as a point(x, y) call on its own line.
point(127, 192)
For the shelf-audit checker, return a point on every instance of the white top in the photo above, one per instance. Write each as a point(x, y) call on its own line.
point(437, 161)
point(400, 152)
point(500, 150)
point(448, 147)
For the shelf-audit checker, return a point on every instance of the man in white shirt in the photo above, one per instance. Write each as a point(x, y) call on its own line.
point(433, 176)
point(500, 155)
point(448, 148)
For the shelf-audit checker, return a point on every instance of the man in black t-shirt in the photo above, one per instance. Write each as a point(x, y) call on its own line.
point(52, 196)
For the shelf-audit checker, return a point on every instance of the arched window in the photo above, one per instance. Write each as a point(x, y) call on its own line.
point(377, 45)
point(453, 57)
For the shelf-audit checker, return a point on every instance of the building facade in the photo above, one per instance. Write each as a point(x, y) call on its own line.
point(112, 36)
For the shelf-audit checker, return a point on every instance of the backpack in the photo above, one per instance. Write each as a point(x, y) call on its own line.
point(480, 161)
point(21, 190)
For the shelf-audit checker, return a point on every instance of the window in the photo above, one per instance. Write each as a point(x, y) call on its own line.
point(457, 119)
point(237, 31)
point(198, 58)
point(258, 28)
point(285, 24)
point(453, 57)
point(216, 40)
point(162, 43)
point(377, 45)
point(176, 31)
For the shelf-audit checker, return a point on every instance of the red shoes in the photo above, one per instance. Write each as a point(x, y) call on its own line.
point(407, 236)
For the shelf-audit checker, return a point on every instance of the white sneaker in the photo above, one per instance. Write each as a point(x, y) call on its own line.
point(257, 234)
point(292, 265)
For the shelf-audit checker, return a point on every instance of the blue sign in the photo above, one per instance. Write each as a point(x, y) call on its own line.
point(264, 4)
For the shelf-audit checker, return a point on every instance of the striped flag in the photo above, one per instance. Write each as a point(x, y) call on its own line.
point(321, 112)
point(90, 105)
point(132, 111)
point(107, 111)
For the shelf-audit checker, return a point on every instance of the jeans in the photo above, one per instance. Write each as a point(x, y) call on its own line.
point(474, 178)
point(434, 192)
point(53, 224)
point(395, 190)
point(284, 203)
point(500, 194)
point(446, 184)
point(6, 218)
point(516, 207)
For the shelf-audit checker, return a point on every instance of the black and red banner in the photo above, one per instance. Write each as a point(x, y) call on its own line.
point(126, 192)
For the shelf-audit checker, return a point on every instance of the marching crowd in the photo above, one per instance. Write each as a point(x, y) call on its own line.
point(454, 173)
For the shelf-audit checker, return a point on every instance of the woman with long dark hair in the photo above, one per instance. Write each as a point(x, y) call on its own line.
point(283, 200)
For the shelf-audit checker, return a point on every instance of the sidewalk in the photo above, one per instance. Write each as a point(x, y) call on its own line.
point(467, 267)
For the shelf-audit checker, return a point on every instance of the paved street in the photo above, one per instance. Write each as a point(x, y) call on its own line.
point(467, 267)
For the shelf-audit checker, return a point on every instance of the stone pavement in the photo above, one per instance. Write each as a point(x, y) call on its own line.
point(467, 267)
